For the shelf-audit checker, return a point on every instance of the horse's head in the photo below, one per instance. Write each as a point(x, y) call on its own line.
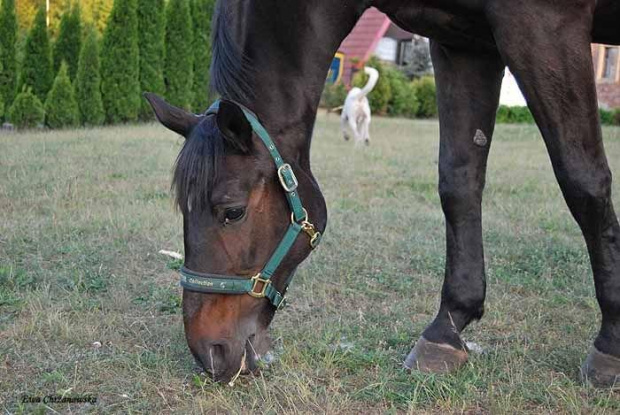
point(235, 215)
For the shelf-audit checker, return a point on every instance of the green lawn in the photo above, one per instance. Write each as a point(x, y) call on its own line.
point(83, 214)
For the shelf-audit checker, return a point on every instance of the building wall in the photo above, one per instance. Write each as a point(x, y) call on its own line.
point(607, 87)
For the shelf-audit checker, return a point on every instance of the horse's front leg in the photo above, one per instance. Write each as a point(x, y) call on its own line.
point(468, 87)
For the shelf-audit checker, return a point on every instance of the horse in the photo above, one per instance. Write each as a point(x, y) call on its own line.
point(270, 60)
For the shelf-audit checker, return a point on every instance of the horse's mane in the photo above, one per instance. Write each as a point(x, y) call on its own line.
point(196, 167)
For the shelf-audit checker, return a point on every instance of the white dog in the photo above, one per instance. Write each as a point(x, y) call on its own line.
point(356, 110)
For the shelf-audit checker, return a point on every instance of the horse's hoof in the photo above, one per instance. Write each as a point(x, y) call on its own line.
point(429, 357)
point(601, 370)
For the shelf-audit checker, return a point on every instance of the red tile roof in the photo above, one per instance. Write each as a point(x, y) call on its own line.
point(363, 39)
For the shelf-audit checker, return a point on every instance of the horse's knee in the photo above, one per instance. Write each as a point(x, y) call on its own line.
point(588, 195)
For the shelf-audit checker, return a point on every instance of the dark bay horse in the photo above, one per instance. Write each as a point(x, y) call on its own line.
point(270, 58)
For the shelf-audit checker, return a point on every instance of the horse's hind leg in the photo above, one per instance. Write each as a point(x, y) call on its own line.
point(561, 93)
point(468, 89)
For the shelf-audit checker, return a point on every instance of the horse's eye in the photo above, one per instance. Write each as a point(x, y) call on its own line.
point(233, 214)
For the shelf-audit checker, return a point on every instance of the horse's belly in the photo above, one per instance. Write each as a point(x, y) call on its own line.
point(606, 27)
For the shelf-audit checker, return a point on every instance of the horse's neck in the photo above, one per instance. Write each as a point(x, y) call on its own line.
point(290, 45)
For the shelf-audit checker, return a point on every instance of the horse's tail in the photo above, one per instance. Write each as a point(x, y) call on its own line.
point(373, 77)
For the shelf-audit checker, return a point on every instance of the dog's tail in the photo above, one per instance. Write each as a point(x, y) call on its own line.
point(373, 77)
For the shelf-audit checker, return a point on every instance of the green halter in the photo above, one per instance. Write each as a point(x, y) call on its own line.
point(260, 286)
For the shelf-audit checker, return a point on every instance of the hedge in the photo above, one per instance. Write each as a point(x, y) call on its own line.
point(36, 70)
point(178, 63)
point(120, 83)
point(68, 45)
point(8, 60)
point(151, 32)
point(88, 82)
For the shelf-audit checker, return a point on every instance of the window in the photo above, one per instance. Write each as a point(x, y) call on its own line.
point(386, 49)
point(610, 63)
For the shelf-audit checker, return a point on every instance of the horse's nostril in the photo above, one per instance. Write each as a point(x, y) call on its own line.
point(215, 359)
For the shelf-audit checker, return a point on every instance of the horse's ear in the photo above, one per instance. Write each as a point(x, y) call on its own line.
point(234, 126)
point(173, 118)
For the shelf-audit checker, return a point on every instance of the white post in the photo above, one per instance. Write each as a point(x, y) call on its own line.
point(47, 12)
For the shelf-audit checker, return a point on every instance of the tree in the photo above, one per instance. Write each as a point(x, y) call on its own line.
point(120, 84)
point(88, 82)
point(27, 110)
point(420, 65)
point(61, 109)
point(67, 46)
point(37, 64)
point(8, 62)
point(151, 32)
point(178, 62)
point(202, 11)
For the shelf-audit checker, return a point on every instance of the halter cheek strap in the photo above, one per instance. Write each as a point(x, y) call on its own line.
point(260, 286)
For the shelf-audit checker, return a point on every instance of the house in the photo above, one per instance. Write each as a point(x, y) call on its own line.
point(374, 34)
point(606, 61)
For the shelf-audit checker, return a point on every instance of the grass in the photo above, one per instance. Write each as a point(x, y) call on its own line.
point(83, 214)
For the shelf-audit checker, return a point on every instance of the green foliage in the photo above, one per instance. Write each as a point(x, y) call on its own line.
point(382, 93)
point(403, 101)
point(151, 32)
point(27, 110)
point(333, 95)
point(67, 46)
point(37, 64)
point(8, 62)
point(120, 83)
point(61, 108)
point(88, 82)
point(1, 107)
point(424, 91)
point(606, 116)
point(202, 12)
point(514, 115)
point(616, 114)
point(179, 60)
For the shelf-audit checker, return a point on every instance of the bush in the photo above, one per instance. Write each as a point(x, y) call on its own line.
point(88, 82)
point(381, 94)
point(514, 115)
point(333, 95)
point(1, 107)
point(120, 82)
point(178, 67)
point(616, 114)
point(27, 110)
point(403, 101)
point(202, 11)
point(37, 63)
point(8, 61)
point(61, 107)
point(68, 44)
point(606, 116)
point(151, 44)
point(424, 91)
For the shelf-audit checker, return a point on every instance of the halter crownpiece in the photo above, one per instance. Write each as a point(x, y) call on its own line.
point(260, 285)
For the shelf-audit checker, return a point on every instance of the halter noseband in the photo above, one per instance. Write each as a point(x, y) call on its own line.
point(260, 286)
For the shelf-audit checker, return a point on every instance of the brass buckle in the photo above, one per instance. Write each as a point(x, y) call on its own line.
point(257, 279)
point(309, 229)
point(287, 168)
